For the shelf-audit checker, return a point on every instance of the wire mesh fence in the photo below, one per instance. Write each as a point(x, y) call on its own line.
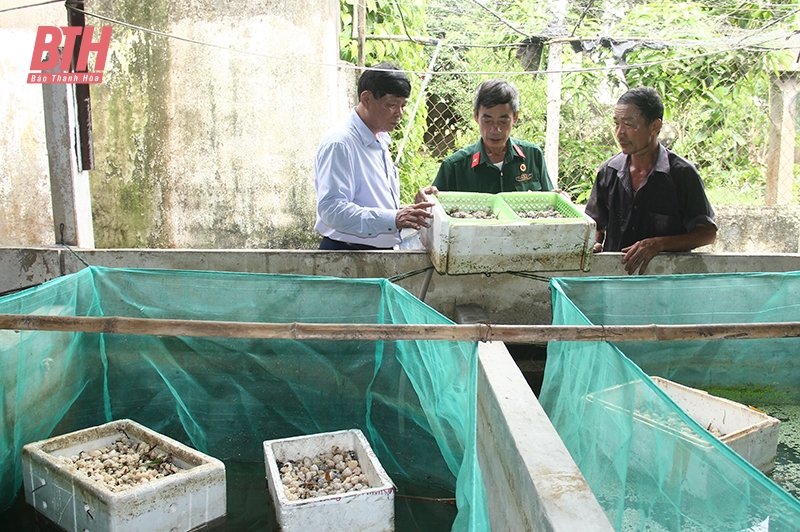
point(728, 75)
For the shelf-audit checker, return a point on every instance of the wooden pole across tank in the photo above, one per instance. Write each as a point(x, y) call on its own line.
point(478, 332)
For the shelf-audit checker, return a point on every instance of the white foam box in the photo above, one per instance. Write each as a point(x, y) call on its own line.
point(187, 500)
point(751, 433)
point(509, 243)
point(367, 510)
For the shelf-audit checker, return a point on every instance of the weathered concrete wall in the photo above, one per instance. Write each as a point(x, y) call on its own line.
point(210, 147)
point(751, 229)
point(26, 214)
point(130, 126)
point(195, 146)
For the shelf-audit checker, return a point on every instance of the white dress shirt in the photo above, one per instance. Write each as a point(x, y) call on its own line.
point(358, 189)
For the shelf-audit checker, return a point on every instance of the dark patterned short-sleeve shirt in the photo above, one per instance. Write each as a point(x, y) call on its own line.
point(671, 201)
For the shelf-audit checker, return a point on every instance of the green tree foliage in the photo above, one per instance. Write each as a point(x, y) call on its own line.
point(712, 61)
point(394, 19)
point(716, 95)
point(719, 109)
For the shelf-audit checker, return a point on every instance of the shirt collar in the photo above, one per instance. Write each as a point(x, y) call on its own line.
point(511, 152)
point(620, 161)
point(662, 160)
point(364, 133)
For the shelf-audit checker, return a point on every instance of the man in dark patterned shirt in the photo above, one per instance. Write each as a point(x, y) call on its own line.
point(647, 199)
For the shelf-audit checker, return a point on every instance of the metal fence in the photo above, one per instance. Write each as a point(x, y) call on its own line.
point(731, 106)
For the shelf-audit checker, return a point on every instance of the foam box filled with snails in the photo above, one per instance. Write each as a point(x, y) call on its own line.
point(331, 477)
point(120, 477)
point(507, 232)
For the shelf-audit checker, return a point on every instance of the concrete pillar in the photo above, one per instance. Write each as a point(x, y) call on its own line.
point(558, 8)
point(780, 155)
point(553, 111)
point(69, 186)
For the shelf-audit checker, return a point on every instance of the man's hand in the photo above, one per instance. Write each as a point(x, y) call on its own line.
point(640, 254)
point(599, 238)
point(422, 194)
point(414, 216)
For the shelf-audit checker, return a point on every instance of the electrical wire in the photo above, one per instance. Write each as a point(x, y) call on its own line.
point(528, 275)
point(61, 228)
point(31, 5)
point(689, 57)
point(499, 17)
point(401, 276)
point(203, 43)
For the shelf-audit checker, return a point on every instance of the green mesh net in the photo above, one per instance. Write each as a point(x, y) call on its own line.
point(414, 400)
point(651, 466)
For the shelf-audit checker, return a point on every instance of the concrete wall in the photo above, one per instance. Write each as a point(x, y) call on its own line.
point(757, 229)
point(505, 298)
point(195, 146)
point(26, 215)
point(220, 153)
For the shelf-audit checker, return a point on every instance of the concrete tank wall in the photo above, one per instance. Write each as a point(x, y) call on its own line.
point(504, 298)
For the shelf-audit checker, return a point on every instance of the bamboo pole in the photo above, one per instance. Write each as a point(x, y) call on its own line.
point(479, 332)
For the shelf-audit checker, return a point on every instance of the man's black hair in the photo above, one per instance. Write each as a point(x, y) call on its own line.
point(383, 79)
point(496, 92)
point(647, 100)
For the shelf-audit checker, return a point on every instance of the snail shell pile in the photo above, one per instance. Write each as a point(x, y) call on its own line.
point(329, 473)
point(479, 214)
point(548, 212)
point(123, 464)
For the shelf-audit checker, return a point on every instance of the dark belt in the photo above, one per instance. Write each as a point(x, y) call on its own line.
point(331, 244)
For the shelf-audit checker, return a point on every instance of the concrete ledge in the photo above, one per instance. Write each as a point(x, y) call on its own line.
point(507, 298)
point(531, 481)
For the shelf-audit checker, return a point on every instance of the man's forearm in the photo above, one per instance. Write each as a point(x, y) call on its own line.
point(701, 235)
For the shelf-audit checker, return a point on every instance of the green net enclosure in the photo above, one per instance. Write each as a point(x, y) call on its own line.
point(651, 466)
point(414, 400)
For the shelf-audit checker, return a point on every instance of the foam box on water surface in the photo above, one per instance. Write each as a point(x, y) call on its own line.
point(367, 510)
point(192, 498)
point(751, 433)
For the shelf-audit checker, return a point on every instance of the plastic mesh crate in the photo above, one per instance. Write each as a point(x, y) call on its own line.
point(540, 201)
point(473, 201)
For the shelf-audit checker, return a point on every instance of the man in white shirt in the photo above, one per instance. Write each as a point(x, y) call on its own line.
point(358, 188)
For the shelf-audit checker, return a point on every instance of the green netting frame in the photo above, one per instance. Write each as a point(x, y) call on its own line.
point(416, 401)
point(650, 465)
